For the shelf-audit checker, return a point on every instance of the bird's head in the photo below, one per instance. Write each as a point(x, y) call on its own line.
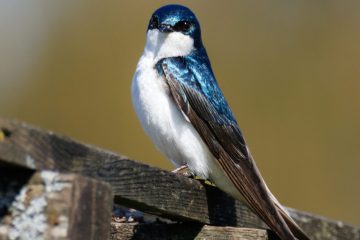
point(173, 30)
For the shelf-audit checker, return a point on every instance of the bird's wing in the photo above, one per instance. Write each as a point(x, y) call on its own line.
point(222, 135)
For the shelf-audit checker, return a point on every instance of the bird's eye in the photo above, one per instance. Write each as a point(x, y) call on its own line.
point(182, 26)
point(154, 22)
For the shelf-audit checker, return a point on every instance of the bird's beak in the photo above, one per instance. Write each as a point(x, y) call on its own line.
point(165, 28)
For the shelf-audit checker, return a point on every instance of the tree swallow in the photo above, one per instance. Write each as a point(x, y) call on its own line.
point(182, 109)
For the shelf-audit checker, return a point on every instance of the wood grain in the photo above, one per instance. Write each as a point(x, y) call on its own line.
point(145, 188)
point(59, 206)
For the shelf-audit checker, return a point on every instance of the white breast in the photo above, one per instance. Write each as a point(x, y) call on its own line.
point(172, 134)
point(165, 124)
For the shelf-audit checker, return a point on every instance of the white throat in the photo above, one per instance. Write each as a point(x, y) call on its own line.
point(163, 45)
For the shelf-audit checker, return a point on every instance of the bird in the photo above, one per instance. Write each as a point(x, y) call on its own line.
point(182, 109)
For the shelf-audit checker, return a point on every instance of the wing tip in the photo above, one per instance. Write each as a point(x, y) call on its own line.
point(293, 226)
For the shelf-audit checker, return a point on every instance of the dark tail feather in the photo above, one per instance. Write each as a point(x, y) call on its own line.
point(295, 229)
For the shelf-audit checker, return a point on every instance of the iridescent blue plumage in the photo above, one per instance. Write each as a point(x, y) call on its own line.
point(193, 70)
point(170, 15)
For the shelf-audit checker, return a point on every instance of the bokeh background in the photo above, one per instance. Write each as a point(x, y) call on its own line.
point(289, 69)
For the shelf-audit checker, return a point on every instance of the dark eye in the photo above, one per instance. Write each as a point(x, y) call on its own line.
point(182, 26)
point(154, 22)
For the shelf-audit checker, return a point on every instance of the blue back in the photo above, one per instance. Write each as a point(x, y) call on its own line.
point(193, 70)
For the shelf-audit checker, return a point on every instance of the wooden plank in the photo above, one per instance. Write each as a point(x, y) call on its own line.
point(57, 206)
point(178, 231)
point(134, 184)
point(145, 188)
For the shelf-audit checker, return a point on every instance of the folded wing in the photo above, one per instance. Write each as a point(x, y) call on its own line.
point(208, 113)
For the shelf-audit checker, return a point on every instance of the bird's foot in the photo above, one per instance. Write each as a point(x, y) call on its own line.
point(183, 170)
point(205, 181)
point(180, 169)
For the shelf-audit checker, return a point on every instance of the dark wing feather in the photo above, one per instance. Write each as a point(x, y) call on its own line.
point(227, 144)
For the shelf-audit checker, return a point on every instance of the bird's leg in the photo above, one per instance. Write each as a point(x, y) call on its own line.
point(184, 170)
point(180, 169)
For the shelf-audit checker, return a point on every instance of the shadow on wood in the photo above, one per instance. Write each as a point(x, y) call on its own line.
point(183, 231)
point(221, 208)
point(12, 179)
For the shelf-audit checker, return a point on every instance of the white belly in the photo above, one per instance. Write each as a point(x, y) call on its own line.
point(170, 130)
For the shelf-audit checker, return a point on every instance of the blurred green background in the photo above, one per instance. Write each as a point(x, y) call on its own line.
point(289, 69)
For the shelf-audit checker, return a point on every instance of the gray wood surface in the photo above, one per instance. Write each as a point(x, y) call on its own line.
point(59, 206)
point(145, 188)
point(176, 231)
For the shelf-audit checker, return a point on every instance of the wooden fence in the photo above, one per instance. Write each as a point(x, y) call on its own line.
point(52, 187)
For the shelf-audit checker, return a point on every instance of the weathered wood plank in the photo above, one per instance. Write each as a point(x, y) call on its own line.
point(178, 231)
point(143, 187)
point(57, 206)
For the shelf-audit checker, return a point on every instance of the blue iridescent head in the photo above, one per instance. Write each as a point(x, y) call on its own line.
point(176, 18)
